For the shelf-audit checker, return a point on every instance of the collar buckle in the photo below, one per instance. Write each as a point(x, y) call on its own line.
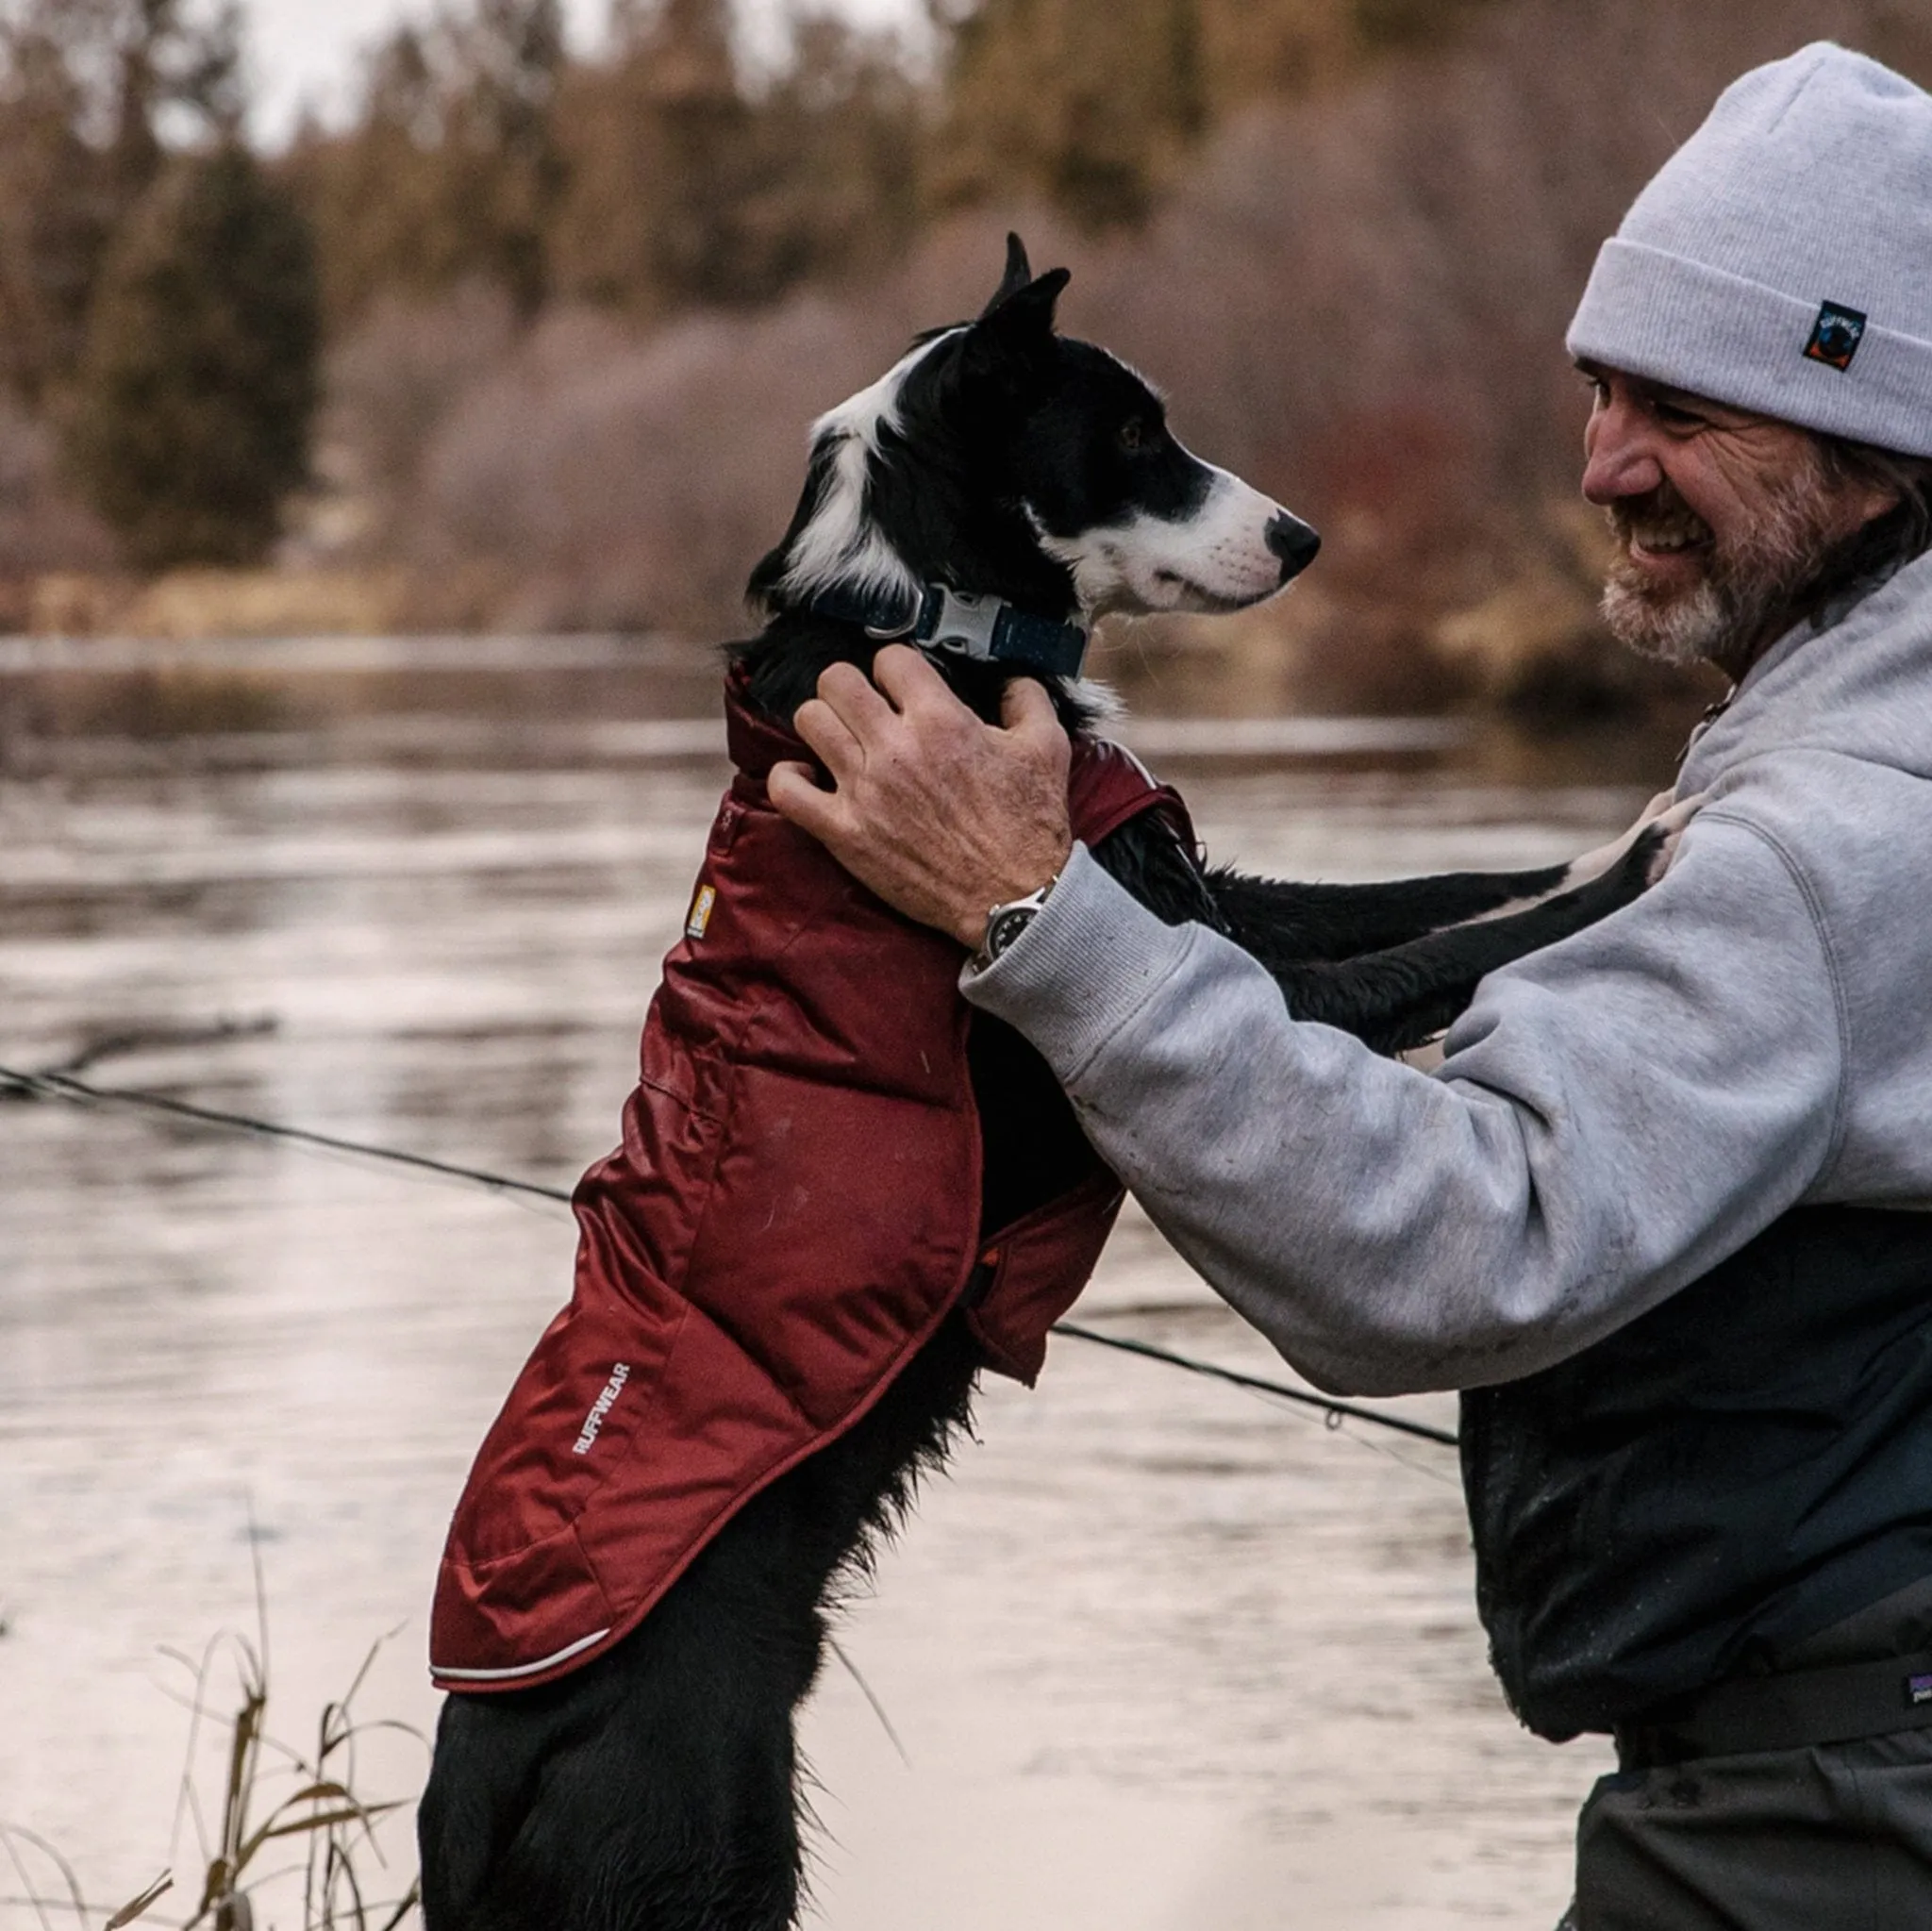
point(991, 631)
point(960, 621)
point(983, 627)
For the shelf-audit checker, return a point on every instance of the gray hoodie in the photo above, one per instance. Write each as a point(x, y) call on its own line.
point(1614, 1115)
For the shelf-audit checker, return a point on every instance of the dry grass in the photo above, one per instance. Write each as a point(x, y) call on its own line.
point(349, 602)
point(258, 1813)
point(373, 600)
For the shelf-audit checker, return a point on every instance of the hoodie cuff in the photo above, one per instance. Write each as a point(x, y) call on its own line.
point(1081, 971)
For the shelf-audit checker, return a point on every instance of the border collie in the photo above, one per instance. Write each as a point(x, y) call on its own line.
point(989, 498)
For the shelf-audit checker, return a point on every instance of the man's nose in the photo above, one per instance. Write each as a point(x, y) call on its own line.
point(1619, 459)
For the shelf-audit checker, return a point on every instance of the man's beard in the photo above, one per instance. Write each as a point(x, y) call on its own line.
point(1747, 586)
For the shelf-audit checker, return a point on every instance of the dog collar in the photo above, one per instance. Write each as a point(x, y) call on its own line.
point(944, 619)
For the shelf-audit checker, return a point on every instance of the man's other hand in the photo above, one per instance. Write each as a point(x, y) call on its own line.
point(942, 816)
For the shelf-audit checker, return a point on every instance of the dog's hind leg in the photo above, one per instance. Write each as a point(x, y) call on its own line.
point(652, 1790)
point(656, 1788)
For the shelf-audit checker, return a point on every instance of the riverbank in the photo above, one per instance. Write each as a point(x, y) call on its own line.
point(1528, 651)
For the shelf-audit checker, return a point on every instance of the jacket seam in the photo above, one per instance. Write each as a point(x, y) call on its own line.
point(1840, 1004)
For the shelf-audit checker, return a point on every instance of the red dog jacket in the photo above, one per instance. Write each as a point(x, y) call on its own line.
point(792, 1211)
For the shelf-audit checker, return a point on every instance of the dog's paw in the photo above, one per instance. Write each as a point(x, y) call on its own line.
point(1655, 831)
point(1667, 829)
point(1607, 857)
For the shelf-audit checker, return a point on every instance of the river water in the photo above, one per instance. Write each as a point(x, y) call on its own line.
point(1156, 1654)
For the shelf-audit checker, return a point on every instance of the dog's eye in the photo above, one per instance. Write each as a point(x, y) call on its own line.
point(1134, 435)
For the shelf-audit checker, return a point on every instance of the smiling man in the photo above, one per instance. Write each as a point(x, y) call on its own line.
point(1722, 517)
point(1662, 1213)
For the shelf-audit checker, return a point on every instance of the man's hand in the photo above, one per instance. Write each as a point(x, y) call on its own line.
point(942, 816)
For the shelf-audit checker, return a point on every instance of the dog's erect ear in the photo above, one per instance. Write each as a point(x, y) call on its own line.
point(1018, 326)
point(1031, 307)
point(1010, 341)
point(1022, 301)
point(1016, 277)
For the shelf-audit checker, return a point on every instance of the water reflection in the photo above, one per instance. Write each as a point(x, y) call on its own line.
point(1162, 1654)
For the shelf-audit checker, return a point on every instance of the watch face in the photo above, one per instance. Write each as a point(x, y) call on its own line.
point(1006, 926)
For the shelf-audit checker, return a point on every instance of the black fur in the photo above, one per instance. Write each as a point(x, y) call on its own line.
point(657, 1788)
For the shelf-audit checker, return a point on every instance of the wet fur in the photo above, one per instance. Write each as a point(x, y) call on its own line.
point(658, 1787)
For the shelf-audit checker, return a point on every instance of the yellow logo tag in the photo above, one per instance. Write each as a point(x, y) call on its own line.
point(700, 912)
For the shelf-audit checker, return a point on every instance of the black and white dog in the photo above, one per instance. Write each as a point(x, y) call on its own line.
point(1000, 487)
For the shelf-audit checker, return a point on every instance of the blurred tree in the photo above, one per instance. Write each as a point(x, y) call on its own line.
point(452, 171)
point(1275, 47)
point(842, 131)
point(693, 160)
point(651, 179)
point(375, 194)
point(1094, 108)
point(688, 187)
point(1394, 24)
point(88, 91)
point(166, 66)
point(1900, 34)
point(506, 166)
point(57, 208)
point(1087, 106)
point(195, 393)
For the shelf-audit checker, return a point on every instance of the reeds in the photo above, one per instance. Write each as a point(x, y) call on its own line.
point(240, 1826)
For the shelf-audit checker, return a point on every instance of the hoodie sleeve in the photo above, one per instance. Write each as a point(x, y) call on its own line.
point(1614, 1115)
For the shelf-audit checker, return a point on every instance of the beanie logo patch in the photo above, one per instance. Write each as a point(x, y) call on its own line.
point(1836, 336)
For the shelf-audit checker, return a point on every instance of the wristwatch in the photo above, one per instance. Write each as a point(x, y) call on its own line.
point(1005, 923)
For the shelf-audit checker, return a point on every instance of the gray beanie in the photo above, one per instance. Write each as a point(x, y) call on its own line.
point(1781, 261)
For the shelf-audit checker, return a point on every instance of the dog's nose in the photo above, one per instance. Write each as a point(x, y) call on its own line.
point(1293, 541)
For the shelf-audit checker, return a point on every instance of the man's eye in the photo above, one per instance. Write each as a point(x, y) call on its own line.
point(1674, 417)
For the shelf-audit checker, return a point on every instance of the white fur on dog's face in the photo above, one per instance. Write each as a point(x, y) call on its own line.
point(1215, 559)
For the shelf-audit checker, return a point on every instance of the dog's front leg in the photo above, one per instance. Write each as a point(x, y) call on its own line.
point(1665, 811)
point(1399, 998)
point(1288, 924)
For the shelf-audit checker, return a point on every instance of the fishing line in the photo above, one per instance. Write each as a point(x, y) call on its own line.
point(55, 1085)
point(61, 1086)
point(1335, 1410)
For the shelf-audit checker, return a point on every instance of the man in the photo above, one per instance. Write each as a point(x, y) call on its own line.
point(1650, 1212)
